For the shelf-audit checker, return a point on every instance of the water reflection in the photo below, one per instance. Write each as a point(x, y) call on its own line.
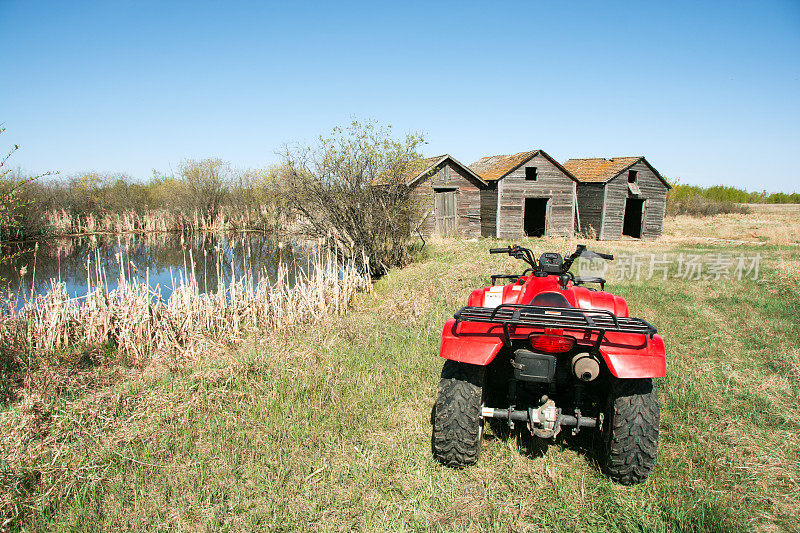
point(162, 260)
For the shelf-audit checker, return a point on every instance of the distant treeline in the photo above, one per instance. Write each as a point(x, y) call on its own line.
point(210, 195)
point(202, 195)
point(707, 201)
point(327, 190)
point(724, 193)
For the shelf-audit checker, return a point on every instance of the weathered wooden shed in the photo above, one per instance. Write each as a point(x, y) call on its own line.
point(528, 194)
point(619, 196)
point(448, 195)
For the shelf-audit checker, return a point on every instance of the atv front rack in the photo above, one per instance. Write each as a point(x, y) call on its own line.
point(597, 321)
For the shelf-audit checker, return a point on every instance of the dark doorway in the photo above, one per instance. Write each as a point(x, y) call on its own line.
point(535, 216)
point(632, 223)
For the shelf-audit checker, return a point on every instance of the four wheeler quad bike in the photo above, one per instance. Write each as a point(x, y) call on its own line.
point(549, 353)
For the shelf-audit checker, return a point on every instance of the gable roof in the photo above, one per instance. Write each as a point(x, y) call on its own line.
point(497, 167)
point(601, 170)
point(419, 166)
point(418, 170)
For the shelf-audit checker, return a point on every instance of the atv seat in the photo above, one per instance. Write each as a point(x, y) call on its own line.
point(550, 299)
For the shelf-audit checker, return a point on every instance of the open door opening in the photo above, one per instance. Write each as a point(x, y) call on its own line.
point(632, 223)
point(535, 217)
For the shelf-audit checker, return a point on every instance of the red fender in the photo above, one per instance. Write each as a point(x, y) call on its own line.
point(626, 359)
point(476, 343)
point(627, 355)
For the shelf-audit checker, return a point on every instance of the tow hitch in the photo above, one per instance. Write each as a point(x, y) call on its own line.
point(545, 421)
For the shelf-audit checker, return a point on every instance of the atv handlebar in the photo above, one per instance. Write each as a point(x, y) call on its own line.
point(526, 255)
point(517, 252)
point(579, 251)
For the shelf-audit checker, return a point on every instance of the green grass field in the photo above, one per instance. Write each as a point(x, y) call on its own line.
point(327, 427)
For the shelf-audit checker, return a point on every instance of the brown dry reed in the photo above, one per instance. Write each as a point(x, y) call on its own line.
point(139, 324)
point(59, 222)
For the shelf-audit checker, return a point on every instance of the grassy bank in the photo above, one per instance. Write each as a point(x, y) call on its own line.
point(134, 322)
point(326, 427)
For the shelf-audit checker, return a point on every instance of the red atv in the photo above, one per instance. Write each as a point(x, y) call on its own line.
point(549, 353)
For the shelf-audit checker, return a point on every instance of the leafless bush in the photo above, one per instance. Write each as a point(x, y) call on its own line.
point(206, 184)
point(350, 187)
point(12, 200)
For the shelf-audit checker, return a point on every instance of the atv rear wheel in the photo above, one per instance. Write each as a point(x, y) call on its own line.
point(630, 432)
point(457, 423)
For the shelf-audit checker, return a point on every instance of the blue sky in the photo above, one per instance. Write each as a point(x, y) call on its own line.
point(709, 92)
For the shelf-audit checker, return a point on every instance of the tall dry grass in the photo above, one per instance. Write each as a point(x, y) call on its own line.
point(59, 222)
point(136, 322)
point(764, 225)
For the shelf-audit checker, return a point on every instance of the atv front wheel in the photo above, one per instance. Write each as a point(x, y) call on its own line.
point(630, 430)
point(457, 422)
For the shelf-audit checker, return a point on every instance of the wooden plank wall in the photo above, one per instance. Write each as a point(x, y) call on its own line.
point(489, 210)
point(551, 183)
point(653, 191)
point(590, 207)
point(468, 200)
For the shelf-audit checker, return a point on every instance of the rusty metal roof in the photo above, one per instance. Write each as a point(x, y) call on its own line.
point(413, 170)
point(426, 167)
point(598, 169)
point(418, 166)
point(494, 167)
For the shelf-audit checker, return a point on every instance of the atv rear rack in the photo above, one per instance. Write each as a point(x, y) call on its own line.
point(540, 316)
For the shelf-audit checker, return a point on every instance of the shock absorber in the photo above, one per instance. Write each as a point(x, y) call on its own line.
point(512, 400)
point(578, 398)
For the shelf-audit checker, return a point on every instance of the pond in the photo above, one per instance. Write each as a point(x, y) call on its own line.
point(161, 260)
